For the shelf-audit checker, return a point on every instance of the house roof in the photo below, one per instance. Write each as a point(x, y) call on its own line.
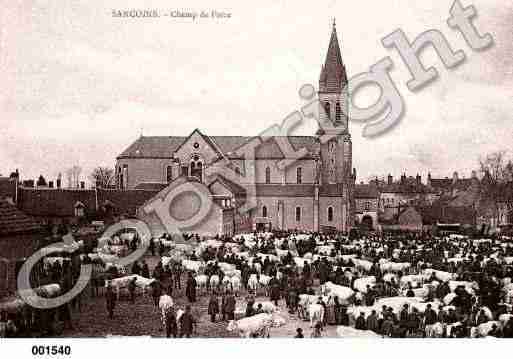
point(7, 187)
point(125, 201)
point(445, 184)
point(365, 191)
point(61, 202)
point(151, 186)
point(404, 188)
point(14, 221)
point(54, 202)
point(165, 146)
point(233, 187)
point(445, 214)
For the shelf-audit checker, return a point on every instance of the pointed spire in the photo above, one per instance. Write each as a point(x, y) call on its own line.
point(333, 72)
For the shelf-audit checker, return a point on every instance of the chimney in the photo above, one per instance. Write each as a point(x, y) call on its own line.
point(50, 184)
point(58, 183)
point(82, 185)
point(474, 174)
point(419, 180)
point(390, 179)
point(454, 177)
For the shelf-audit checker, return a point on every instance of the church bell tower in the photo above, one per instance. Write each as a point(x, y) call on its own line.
point(337, 152)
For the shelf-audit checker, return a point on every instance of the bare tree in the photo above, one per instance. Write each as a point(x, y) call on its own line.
point(497, 174)
point(73, 176)
point(102, 176)
point(77, 170)
point(69, 177)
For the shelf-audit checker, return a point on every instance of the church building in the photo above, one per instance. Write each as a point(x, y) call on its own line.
point(313, 193)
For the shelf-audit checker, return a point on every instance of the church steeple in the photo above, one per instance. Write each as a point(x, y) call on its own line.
point(333, 74)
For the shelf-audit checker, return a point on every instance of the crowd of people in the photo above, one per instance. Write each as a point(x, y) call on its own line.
point(463, 283)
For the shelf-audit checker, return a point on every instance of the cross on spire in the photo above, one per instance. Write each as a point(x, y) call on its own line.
point(334, 23)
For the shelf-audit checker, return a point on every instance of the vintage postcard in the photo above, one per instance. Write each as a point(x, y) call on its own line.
point(275, 169)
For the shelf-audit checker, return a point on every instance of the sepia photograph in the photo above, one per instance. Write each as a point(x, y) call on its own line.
point(255, 170)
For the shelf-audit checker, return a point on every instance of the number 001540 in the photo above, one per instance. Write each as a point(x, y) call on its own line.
point(51, 350)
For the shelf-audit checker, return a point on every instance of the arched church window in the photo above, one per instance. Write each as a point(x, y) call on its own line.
point(264, 211)
point(267, 175)
point(298, 214)
point(327, 109)
point(330, 214)
point(299, 175)
point(337, 112)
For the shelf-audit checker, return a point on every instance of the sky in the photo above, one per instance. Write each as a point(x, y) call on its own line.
point(78, 85)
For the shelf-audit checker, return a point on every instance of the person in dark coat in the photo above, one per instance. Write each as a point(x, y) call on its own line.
point(274, 293)
point(152, 246)
point(230, 306)
point(131, 289)
point(156, 292)
point(110, 297)
point(299, 333)
point(213, 308)
point(250, 311)
point(145, 271)
point(190, 289)
point(136, 268)
point(360, 322)
point(187, 323)
point(344, 317)
point(171, 325)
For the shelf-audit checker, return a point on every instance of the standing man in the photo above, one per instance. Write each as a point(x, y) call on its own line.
point(156, 292)
point(187, 323)
point(131, 289)
point(190, 289)
point(213, 307)
point(171, 324)
point(230, 306)
point(110, 297)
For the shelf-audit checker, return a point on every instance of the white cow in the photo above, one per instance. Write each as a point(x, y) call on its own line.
point(140, 282)
point(267, 307)
point(335, 290)
point(440, 275)
point(435, 330)
point(362, 264)
point(361, 283)
point(470, 287)
point(194, 266)
point(201, 281)
point(349, 332)
point(264, 283)
point(253, 282)
point(281, 253)
point(416, 280)
point(483, 329)
point(165, 303)
point(315, 313)
point(259, 325)
point(214, 281)
point(236, 284)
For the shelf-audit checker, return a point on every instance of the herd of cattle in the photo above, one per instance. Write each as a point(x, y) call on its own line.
point(416, 268)
point(419, 271)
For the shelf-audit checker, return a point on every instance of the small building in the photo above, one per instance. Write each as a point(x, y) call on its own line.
point(366, 198)
point(20, 237)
